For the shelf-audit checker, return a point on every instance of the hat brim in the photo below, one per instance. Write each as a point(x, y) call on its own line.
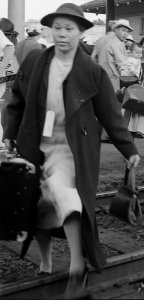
point(48, 20)
point(33, 34)
point(129, 40)
point(121, 25)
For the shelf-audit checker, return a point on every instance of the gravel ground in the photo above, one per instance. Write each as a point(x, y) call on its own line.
point(13, 269)
point(107, 221)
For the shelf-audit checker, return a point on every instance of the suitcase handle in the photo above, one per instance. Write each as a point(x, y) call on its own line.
point(130, 176)
point(9, 166)
point(29, 166)
point(13, 159)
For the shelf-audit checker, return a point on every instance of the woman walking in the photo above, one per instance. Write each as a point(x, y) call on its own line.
point(58, 97)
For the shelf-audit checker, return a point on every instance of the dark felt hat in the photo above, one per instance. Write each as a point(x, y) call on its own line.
point(33, 32)
point(6, 25)
point(68, 10)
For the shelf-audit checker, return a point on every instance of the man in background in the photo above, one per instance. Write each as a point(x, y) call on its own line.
point(113, 51)
point(24, 47)
point(97, 53)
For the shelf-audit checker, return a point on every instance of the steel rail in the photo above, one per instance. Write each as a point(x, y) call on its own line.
point(103, 199)
point(121, 269)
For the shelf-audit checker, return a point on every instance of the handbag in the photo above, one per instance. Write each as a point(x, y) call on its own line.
point(125, 205)
point(126, 81)
point(134, 99)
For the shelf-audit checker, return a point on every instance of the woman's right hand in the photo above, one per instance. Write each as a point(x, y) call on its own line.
point(133, 161)
point(10, 145)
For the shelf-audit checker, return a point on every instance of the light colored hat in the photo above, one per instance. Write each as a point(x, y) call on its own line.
point(68, 10)
point(122, 23)
point(130, 38)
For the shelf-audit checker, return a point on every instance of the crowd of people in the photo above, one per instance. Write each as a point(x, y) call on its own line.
point(122, 59)
point(59, 102)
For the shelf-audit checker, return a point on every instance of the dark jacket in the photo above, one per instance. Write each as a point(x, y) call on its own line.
point(88, 97)
point(24, 47)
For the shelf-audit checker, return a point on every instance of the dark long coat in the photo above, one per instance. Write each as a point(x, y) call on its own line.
point(88, 97)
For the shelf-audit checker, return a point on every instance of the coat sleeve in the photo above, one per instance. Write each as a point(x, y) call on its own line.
point(115, 57)
point(14, 107)
point(12, 112)
point(108, 111)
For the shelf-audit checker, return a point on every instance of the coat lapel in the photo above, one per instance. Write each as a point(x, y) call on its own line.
point(45, 74)
point(78, 86)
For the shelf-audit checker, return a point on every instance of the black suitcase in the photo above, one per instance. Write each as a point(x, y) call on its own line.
point(17, 199)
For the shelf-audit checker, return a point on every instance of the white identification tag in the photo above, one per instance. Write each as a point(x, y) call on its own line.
point(49, 123)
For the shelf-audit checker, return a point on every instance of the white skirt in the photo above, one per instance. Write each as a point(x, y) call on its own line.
point(135, 123)
point(59, 196)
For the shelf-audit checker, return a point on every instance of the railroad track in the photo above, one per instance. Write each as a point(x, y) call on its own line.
point(122, 278)
point(103, 199)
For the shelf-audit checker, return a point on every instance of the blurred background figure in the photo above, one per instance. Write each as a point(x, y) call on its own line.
point(129, 42)
point(8, 62)
point(111, 54)
point(8, 29)
point(132, 66)
point(114, 51)
point(45, 38)
point(24, 47)
point(85, 46)
point(142, 43)
point(97, 54)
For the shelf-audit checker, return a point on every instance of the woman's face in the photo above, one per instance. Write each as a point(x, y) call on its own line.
point(66, 34)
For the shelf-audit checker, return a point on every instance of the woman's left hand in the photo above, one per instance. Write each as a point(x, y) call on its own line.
point(133, 161)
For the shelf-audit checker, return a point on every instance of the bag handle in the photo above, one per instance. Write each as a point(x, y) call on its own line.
point(130, 176)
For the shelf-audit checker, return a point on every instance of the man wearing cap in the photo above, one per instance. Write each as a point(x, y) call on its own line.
point(24, 47)
point(114, 52)
point(97, 54)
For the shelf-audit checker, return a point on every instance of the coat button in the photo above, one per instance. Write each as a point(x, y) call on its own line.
point(84, 131)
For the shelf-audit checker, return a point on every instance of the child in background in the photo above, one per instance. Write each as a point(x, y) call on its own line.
point(132, 66)
point(128, 42)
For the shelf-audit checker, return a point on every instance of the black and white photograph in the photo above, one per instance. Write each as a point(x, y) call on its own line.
point(71, 149)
